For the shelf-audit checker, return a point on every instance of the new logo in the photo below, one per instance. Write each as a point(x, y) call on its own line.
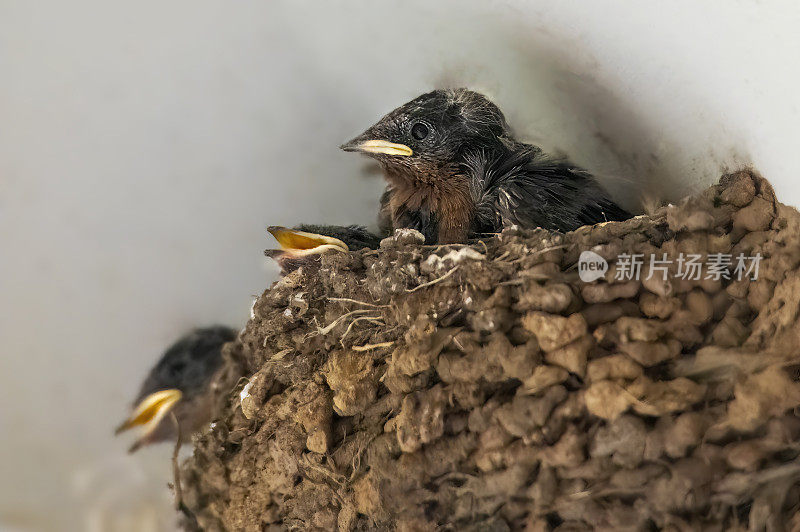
point(591, 266)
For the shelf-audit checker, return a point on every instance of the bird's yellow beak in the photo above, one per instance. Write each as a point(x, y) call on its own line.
point(383, 147)
point(151, 410)
point(299, 243)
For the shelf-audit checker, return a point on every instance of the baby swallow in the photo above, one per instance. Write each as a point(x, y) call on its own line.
point(455, 170)
point(179, 383)
point(307, 243)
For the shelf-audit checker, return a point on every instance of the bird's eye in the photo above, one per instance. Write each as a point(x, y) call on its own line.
point(419, 131)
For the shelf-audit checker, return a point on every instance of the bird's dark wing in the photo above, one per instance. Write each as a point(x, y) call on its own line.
point(528, 189)
point(189, 363)
point(423, 220)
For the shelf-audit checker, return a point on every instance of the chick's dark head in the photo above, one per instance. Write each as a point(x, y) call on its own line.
point(180, 383)
point(432, 131)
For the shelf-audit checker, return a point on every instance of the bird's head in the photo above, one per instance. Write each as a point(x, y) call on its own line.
point(433, 131)
point(180, 385)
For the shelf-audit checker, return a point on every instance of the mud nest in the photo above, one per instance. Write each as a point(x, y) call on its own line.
point(486, 387)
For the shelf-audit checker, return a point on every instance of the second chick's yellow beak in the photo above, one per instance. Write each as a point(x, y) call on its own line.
point(299, 243)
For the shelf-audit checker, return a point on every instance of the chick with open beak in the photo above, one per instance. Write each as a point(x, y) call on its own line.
point(305, 244)
point(179, 383)
point(455, 170)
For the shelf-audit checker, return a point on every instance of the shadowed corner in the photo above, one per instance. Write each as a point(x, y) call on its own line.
point(558, 102)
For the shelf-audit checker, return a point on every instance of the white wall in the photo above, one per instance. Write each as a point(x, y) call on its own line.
point(145, 146)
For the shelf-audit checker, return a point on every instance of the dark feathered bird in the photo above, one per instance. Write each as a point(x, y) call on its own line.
point(455, 170)
point(179, 383)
